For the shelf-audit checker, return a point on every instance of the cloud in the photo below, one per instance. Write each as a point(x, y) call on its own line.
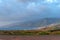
point(27, 0)
point(24, 10)
point(15, 10)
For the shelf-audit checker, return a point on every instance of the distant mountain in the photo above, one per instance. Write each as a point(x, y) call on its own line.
point(29, 25)
point(50, 27)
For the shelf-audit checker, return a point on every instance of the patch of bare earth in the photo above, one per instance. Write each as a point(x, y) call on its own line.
point(47, 37)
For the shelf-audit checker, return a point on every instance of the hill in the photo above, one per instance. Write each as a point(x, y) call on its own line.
point(53, 29)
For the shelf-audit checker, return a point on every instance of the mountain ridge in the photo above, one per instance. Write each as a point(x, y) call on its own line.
point(32, 24)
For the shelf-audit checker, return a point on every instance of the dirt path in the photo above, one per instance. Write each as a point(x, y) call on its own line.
point(29, 37)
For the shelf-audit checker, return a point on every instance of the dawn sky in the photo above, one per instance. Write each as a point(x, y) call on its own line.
point(23, 10)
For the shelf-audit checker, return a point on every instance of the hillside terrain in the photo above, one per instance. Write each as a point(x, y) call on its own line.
point(50, 30)
point(46, 26)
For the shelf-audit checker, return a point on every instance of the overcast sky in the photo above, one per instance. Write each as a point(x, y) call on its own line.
point(20, 10)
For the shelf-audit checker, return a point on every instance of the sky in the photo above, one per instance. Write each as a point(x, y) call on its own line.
point(12, 11)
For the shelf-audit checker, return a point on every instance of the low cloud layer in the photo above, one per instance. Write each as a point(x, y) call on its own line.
point(24, 10)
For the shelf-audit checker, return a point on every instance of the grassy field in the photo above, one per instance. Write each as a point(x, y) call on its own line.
point(29, 32)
